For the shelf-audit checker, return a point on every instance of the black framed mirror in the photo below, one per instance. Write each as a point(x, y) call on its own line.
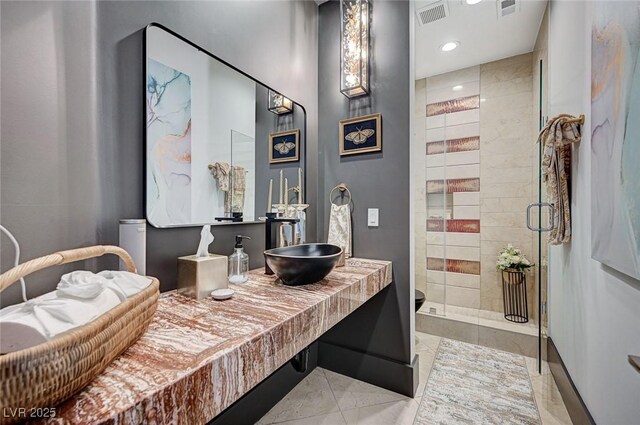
point(215, 136)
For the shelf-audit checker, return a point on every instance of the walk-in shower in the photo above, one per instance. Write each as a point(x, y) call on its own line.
point(477, 170)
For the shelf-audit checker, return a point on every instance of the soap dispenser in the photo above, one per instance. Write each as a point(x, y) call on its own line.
point(239, 262)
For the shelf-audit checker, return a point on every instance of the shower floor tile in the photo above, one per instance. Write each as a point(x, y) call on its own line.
point(486, 318)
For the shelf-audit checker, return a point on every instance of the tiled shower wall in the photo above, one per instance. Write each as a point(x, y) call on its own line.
point(474, 150)
point(453, 187)
point(508, 172)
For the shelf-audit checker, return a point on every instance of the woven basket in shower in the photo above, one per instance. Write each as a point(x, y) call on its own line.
point(45, 375)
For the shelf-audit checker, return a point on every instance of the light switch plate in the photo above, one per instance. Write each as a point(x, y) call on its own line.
point(372, 217)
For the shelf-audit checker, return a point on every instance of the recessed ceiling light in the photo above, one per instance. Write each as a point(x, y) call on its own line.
point(457, 88)
point(473, 1)
point(447, 47)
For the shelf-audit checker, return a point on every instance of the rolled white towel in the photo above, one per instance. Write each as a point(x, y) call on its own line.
point(16, 336)
point(125, 284)
point(77, 301)
point(19, 329)
point(82, 284)
point(49, 316)
point(81, 297)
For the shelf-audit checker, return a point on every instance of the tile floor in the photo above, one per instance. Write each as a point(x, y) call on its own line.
point(327, 398)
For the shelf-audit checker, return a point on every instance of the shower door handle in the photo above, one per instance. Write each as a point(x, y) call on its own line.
point(540, 205)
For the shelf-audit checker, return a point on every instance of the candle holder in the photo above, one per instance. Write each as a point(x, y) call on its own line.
point(298, 207)
point(280, 208)
point(298, 211)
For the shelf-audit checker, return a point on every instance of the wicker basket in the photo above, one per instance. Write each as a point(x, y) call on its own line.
point(45, 375)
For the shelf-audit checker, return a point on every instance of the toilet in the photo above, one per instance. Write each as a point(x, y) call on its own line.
point(420, 299)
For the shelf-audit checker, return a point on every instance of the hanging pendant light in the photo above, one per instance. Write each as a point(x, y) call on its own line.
point(354, 47)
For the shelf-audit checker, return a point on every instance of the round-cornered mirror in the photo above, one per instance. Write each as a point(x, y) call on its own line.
point(215, 137)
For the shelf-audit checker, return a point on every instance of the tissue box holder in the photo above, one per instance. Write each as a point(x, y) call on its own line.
point(198, 276)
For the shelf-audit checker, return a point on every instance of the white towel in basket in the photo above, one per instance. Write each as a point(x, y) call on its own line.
point(125, 284)
point(81, 284)
point(81, 297)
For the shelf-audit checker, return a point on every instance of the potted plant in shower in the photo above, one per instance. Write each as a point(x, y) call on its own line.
point(514, 265)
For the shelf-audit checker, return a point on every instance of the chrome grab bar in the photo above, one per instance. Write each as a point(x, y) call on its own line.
point(540, 205)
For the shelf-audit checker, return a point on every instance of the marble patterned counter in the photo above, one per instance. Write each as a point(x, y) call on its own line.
point(199, 357)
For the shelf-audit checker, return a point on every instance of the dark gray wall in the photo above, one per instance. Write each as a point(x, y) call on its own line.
point(72, 122)
point(381, 327)
point(267, 123)
point(49, 150)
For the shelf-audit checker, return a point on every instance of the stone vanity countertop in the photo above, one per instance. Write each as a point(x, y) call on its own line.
point(199, 357)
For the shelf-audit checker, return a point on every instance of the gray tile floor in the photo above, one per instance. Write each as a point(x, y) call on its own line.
point(327, 398)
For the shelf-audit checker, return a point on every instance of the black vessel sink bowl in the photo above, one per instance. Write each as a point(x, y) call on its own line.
point(302, 264)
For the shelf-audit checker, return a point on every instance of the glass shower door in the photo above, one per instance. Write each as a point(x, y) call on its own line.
point(540, 220)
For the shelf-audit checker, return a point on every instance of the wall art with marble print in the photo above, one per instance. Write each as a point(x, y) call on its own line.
point(169, 132)
point(615, 135)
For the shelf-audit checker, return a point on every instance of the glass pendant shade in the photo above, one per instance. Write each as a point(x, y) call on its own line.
point(278, 104)
point(354, 47)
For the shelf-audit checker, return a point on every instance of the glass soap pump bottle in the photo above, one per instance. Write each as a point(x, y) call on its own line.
point(239, 262)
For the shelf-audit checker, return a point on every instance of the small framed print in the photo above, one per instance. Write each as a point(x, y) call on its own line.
point(361, 135)
point(283, 146)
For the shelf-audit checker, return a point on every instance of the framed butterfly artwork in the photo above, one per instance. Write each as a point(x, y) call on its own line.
point(283, 146)
point(361, 135)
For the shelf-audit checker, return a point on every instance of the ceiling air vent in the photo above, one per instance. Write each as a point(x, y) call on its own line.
point(432, 12)
point(507, 7)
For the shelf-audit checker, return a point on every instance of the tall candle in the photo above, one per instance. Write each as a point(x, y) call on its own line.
point(286, 197)
point(269, 201)
point(300, 185)
point(281, 198)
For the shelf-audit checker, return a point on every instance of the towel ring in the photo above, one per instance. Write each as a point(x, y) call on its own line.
point(343, 188)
